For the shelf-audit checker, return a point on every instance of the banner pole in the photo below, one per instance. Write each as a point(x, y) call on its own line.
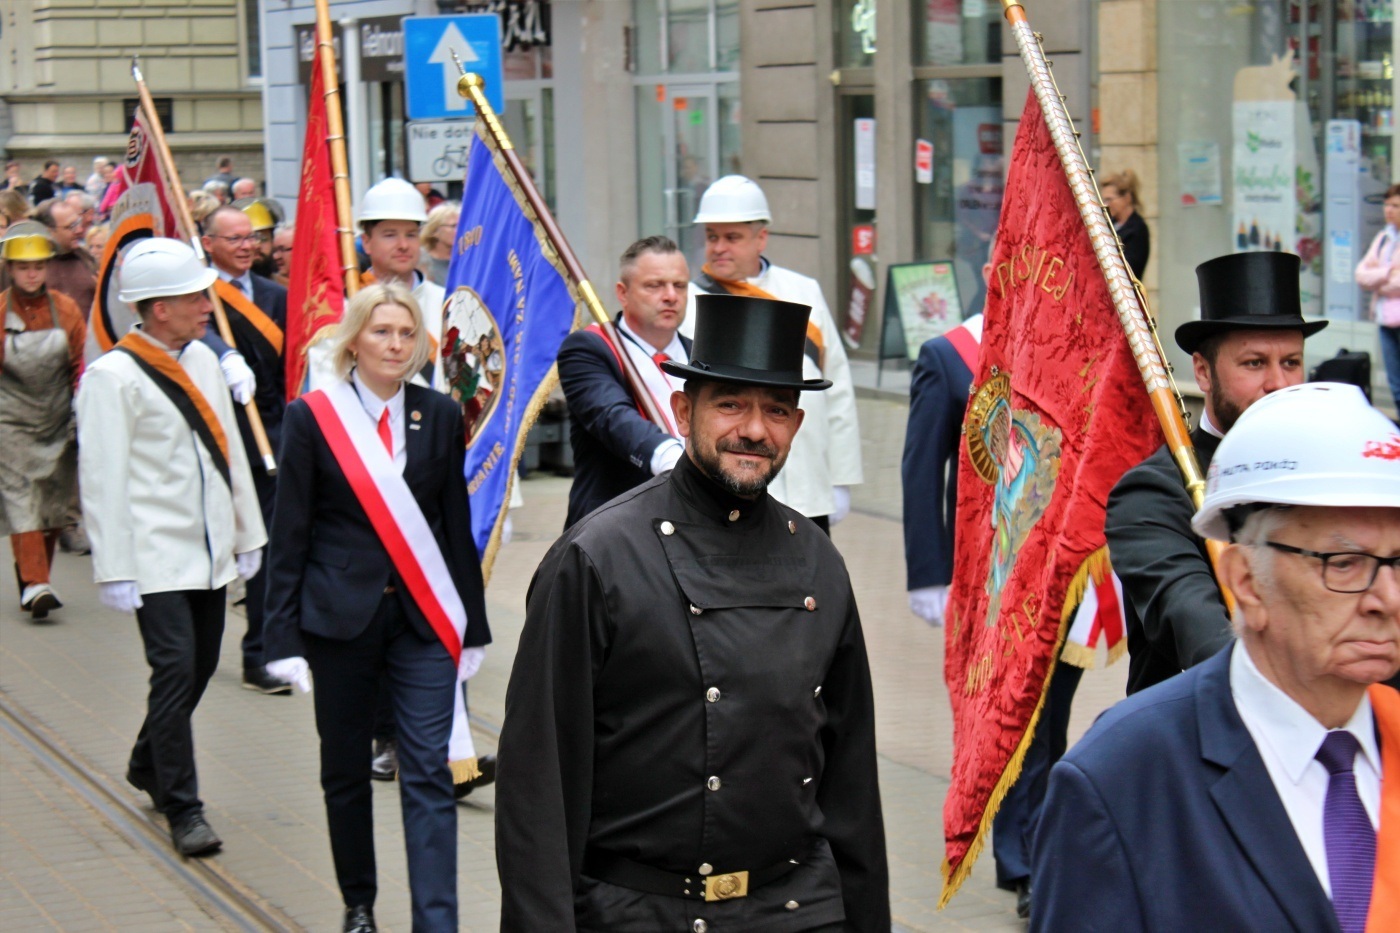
point(335, 125)
point(180, 205)
point(1126, 292)
point(472, 87)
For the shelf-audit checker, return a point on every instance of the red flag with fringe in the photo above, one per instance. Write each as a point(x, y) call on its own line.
point(1057, 413)
point(138, 204)
point(316, 283)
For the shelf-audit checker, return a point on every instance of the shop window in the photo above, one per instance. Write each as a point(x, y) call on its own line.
point(959, 176)
point(957, 32)
point(856, 26)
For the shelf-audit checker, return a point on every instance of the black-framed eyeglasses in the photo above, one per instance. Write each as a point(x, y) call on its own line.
point(1344, 571)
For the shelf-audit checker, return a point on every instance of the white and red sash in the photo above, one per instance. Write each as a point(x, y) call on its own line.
point(392, 510)
point(405, 534)
point(659, 384)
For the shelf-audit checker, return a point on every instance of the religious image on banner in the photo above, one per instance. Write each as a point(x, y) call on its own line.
point(1057, 413)
point(473, 359)
point(510, 304)
point(139, 208)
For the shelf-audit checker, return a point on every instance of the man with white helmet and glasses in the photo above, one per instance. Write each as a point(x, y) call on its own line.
point(825, 458)
point(171, 510)
point(391, 215)
point(1247, 793)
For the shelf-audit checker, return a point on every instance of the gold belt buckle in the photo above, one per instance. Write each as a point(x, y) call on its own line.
point(726, 886)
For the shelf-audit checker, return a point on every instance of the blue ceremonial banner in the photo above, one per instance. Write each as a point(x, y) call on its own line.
point(509, 305)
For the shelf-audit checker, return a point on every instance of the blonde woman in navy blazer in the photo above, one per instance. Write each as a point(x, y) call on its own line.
point(335, 599)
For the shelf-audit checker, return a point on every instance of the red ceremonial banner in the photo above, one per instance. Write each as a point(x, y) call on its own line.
point(1057, 413)
point(138, 204)
point(316, 287)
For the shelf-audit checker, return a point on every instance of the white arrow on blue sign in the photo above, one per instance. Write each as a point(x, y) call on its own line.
point(430, 74)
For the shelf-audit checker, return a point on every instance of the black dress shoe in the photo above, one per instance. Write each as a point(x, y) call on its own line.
point(359, 920)
point(257, 678)
point(1023, 899)
point(385, 766)
point(486, 764)
point(192, 836)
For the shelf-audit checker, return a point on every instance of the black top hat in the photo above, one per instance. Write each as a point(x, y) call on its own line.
point(748, 341)
point(1247, 291)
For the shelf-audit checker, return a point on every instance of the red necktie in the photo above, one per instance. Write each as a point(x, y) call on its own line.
point(385, 434)
point(660, 358)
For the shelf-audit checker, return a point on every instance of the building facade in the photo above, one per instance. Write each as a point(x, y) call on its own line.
point(66, 90)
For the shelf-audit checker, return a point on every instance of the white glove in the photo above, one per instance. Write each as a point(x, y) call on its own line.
point(507, 531)
point(241, 381)
point(292, 671)
point(470, 663)
point(120, 595)
point(665, 455)
point(248, 563)
point(929, 603)
point(842, 497)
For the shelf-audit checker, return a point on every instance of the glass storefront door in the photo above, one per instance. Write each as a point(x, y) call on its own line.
point(680, 154)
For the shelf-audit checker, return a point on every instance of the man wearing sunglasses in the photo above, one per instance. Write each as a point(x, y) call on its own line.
point(1248, 792)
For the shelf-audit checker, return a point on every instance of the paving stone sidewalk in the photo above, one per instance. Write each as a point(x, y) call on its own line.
point(82, 676)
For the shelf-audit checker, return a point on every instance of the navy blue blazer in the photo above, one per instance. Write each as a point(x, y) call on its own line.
point(1164, 818)
point(611, 440)
point(326, 568)
point(937, 400)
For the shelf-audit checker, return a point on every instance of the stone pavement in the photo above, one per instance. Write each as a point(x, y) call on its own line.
point(82, 678)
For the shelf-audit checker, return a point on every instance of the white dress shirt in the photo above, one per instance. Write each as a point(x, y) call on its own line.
point(1288, 738)
point(243, 283)
point(374, 406)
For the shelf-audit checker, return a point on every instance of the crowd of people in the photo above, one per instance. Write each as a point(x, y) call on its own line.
point(715, 438)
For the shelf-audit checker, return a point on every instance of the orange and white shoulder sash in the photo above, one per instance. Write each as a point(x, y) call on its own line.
point(392, 510)
point(1384, 914)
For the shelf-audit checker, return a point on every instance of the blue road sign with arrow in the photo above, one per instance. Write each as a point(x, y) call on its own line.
point(430, 73)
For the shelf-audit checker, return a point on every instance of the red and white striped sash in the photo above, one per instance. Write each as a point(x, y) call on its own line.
point(392, 510)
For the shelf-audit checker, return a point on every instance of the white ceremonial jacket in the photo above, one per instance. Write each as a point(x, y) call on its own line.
point(826, 451)
point(155, 507)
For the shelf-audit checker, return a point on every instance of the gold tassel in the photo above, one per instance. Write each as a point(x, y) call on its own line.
point(464, 771)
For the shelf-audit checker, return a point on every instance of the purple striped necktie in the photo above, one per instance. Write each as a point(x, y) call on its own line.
point(1347, 833)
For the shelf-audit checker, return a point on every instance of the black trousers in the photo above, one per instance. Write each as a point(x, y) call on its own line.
point(420, 677)
point(255, 598)
point(1013, 828)
point(181, 631)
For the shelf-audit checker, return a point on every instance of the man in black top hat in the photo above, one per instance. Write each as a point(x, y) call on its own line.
point(1248, 343)
point(689, 739)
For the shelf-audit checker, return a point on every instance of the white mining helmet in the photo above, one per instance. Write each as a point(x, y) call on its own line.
point(158, 267)
point(733, 199)
point(393, 199)
point(1320, 443)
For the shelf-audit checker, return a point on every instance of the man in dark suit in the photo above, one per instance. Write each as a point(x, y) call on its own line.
point(1248, 343)
point(938, 389)
point(615, 446)
point(1246, 794)
point(257, 313)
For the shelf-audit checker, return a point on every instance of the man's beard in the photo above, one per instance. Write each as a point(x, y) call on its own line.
point(1226, 411)
point(265, 267)
point(747, 486)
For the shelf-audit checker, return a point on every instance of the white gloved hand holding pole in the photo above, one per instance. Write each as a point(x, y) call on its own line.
point(120, 595)
point(241, 381)
point(294, 671)
point(929, 603)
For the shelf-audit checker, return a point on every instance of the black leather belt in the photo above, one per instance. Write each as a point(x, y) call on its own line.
point(711, 886)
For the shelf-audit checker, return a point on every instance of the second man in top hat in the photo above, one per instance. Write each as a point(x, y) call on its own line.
point(1247, 344)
